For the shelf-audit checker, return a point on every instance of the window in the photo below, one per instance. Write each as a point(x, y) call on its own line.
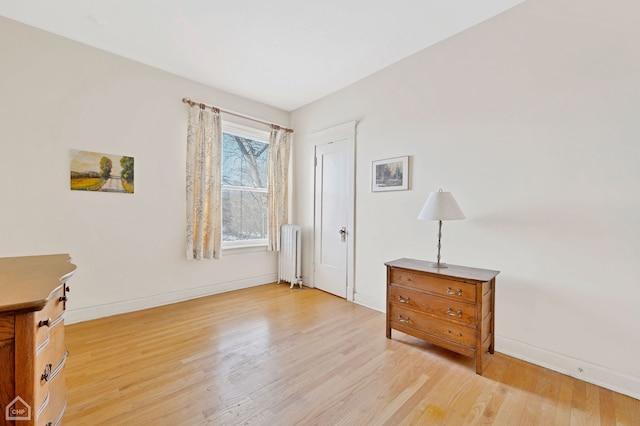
point(245, 154)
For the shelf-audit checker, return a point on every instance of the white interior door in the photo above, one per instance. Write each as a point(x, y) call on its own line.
point(333, 232)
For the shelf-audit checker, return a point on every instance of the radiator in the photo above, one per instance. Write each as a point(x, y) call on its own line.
point(289, 260)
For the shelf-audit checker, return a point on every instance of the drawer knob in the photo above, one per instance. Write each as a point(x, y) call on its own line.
point(453, 313)
point(404, 299)
point(47, 373)
point(63, 298)
point(44, 323)
point(458, 334)
point(456, 292)
point(404, 319)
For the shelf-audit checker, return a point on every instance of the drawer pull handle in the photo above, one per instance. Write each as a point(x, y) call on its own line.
point(403, 299)
point(451, 291)
point(453, 313)
point(63, 298)
point(46, 374)
point(459, 334)
point(403, 319)
point(44, 323)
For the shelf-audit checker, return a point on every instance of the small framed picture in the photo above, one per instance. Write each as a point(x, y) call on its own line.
point(99, 172)
point(391, 174)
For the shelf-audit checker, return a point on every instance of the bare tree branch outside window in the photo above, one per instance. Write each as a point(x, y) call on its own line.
point(244, 191)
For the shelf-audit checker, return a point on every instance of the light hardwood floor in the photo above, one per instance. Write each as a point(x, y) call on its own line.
point(270, 355)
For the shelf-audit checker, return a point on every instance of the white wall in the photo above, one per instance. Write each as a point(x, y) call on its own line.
point(531, 120)
point(55, 95)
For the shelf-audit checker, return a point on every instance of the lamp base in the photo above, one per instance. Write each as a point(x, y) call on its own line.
point(439, 265)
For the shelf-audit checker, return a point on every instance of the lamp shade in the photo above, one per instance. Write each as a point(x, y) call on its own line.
point(440, 206)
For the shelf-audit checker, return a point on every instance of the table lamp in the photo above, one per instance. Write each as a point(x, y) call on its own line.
point(440, 206)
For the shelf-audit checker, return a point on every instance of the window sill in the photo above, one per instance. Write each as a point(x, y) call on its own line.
point(245, 248)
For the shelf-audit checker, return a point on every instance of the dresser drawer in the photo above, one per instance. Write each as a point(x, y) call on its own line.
point(448, 288)
point(52, 407)
point(49, 315)
point(440, 306)
point(441, 328)
point(49, 360)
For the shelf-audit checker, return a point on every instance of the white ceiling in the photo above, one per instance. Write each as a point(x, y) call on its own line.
point(285, 53)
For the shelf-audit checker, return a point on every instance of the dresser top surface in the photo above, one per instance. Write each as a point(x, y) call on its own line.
point(27, 282)
point(453, 271)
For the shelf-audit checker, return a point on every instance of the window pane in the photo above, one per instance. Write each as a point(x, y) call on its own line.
point(244, 161)
point(244, 215)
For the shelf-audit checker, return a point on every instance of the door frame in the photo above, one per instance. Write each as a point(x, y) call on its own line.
point(346, 131)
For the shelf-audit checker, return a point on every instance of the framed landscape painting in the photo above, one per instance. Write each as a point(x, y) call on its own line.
point(391, 174)
point(94, 171)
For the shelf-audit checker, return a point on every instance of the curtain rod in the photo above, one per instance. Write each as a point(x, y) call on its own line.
point(216, 109)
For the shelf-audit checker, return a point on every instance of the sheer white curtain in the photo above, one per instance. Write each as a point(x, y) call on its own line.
point(277, 198)
point(204, 213)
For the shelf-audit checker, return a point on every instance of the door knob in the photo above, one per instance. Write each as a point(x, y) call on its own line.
point(343, 234)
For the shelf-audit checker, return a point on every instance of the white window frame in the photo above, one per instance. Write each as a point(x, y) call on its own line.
point(256, 135)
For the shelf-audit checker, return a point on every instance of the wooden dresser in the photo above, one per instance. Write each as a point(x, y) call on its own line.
point(450, 307)
point(33, 295)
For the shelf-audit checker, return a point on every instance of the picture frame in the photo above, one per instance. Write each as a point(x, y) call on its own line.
point(390, 174)
point(100, 172)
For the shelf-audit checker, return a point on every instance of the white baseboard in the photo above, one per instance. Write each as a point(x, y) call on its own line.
point(573, 367)
point(101, 311)
point(307, 280)
point(369, 302)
